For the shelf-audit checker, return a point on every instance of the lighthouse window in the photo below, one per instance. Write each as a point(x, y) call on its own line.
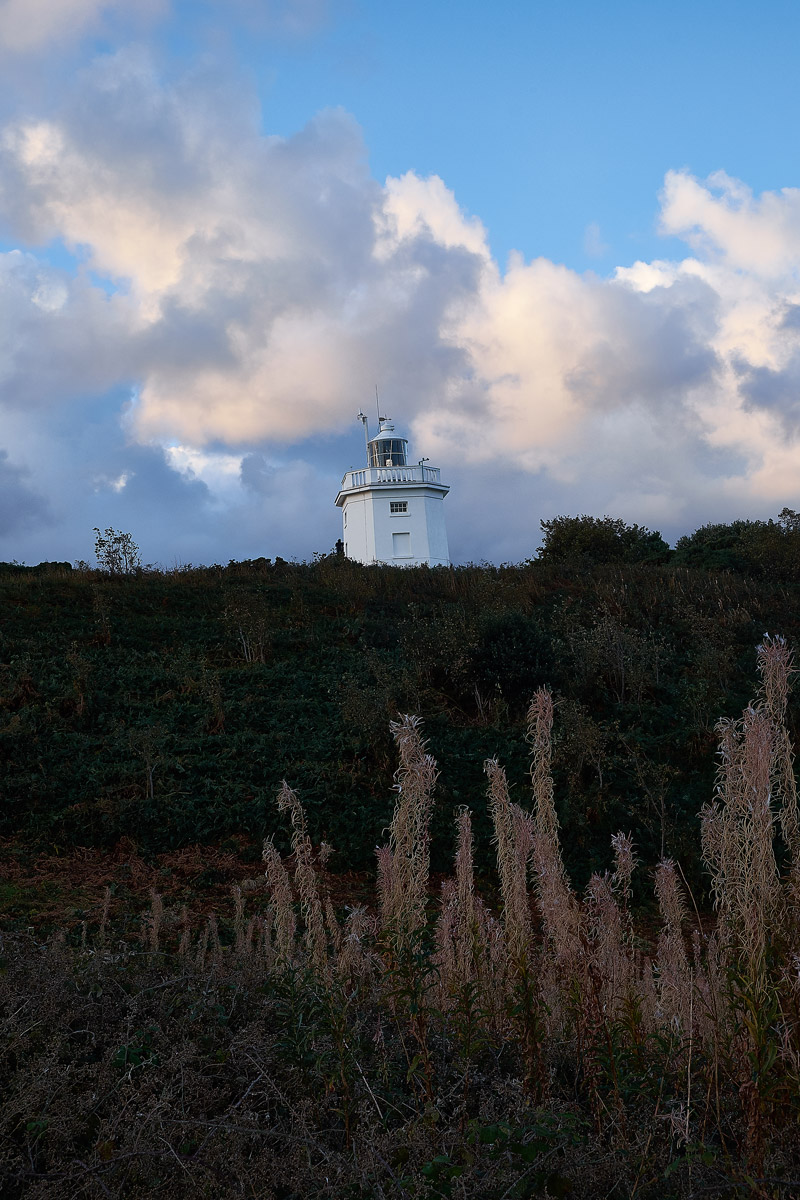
point(387, 452)
point(398, 506)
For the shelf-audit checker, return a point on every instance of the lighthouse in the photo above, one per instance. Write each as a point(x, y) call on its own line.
point(393, 510)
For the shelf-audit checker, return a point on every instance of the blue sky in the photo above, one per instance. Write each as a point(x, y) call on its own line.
point(547, 118)
point(564, 238)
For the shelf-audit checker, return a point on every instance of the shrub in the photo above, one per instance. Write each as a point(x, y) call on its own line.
point(116, 552)
point(600, 540)
point(754, 546)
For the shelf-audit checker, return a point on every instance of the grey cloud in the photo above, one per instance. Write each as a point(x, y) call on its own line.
point(60, 338)
point(20, 507)
point(657, 348)
point(661, 476)
point(90, 476)
point(124, 117)
point(36, 28)
point(296, 18)
point(31, 27)
point(155, 488)
point(287, 507)
point(791, 317)
point(188, 339)
point(257, 475)
point(776, 391)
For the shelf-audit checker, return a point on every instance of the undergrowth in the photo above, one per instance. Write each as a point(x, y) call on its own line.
point(548, 1044)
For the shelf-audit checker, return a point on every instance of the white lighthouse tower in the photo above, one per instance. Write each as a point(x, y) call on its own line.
point(393, 511)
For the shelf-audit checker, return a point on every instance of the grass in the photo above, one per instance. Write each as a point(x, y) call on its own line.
point(39, 900)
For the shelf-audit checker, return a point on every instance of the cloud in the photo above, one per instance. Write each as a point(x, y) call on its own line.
point(237, 296)
point(775, 391)
point(61, 339)
point(294, 18)
point(267, 279)
point(593, 242)
point(30, 29)
point(20, 506)
point(559, 351)
point(28, 26)
point(722, 219)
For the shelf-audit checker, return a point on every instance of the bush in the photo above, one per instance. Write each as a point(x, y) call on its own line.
point(116, 552)
point(514, 655)
point(43, 568)
point(601, 540)
point(769, 547)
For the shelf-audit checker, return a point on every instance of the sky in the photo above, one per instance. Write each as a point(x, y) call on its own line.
point(563, 239)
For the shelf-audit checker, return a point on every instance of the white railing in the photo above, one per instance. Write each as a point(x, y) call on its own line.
point(366, 476)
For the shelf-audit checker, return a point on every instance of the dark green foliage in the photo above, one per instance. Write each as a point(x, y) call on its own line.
point(44, 568)
point(128, 707)
point(600, 540)
point(514, 655)
point(750, 546)
point(724, 547)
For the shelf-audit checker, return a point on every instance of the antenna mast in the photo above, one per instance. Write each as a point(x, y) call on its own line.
point(363, 419)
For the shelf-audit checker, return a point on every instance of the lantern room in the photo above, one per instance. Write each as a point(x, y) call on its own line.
point(385, 449)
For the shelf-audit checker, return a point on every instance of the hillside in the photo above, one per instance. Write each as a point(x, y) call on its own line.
point(167, 707)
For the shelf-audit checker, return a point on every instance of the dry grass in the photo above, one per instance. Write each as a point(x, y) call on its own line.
point(434, 1050)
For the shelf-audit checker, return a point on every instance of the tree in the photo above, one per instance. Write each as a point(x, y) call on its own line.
point(600, 540)
point(718, 546)
point(116, 552)
point(789, 520)
point(754, 546)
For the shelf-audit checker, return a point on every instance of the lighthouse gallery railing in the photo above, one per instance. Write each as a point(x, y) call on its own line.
point(366, 476)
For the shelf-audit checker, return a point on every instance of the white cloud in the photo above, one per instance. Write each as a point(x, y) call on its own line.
point(416, 208)
point(219, 471)
point(722, 219)
point(115, 485)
